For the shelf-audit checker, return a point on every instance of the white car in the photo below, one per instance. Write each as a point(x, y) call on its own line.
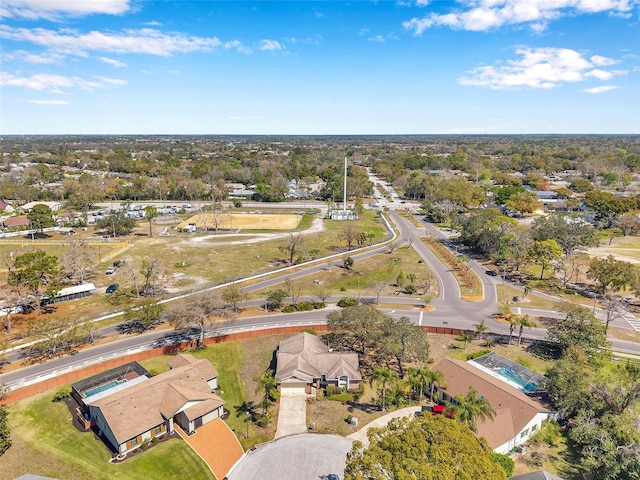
point(110, 270)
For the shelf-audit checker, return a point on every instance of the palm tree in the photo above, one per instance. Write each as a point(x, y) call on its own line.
point(468, 408)
point(465, 338)
point(436, 377)
point(268, 386)
point(523, 322)
point(418, 377)
point(383, 375)
point(481, 328)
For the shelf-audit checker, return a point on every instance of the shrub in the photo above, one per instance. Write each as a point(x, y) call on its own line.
point(506, 462)
point(61, 394)
point(333, 390)
point(477, 354)
point(548, 434)
point(263, 420)
point(304, 306)
point(319, 305)
point(290, 309)
point(347, 302)
point(310, 331)
point(342, 397)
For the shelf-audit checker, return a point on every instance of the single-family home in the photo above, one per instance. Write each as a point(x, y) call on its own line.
point(305, 363)
point(6, 207)
point(54, 206)
point(128, 406)
point(18, 222)
point(518, 416)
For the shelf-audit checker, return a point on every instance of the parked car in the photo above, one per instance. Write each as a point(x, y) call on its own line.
point(110, 270)
point(112, 288)
point(491, 273)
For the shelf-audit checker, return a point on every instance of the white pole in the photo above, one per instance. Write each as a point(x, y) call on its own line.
point(344, 195)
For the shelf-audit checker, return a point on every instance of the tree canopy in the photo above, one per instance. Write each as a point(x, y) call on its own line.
point(422, 448)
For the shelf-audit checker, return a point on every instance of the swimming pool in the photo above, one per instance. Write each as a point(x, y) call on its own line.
point(102, 388)
point(510, 373)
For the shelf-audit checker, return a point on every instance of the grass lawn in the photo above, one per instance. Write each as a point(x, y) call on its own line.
point(46, 443)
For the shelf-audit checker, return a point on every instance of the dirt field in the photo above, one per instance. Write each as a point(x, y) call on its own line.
point(243, 221)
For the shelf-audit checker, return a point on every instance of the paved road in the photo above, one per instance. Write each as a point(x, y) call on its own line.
point(450, 310)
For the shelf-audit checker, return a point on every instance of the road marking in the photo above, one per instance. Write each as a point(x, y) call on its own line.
point(634, 322)
point(420, 319)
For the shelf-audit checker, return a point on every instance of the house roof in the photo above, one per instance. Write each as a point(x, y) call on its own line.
point(513, 408)
point(146, 405)
point(208, 371)
point(306, 357)
point(539, 475)
point(85, 287)
point(16, 221)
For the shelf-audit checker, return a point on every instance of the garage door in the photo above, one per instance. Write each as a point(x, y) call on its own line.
point(293, 388)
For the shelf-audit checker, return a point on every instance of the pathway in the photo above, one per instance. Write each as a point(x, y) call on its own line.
point(292, 416)
point(216, 444)
point(382, 422)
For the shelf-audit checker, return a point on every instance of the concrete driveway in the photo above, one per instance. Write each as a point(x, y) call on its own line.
point(292, 418)
point(309, 456)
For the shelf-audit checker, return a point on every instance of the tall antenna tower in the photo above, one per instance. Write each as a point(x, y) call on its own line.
point(344, 193)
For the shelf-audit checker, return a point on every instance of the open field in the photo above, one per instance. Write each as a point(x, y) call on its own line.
point(243, 221)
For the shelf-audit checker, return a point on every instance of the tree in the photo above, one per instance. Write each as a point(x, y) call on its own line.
point(545, 252)
point(360, 325)
point(233, 295)
point(467, 409)
point(569, 267)
point(403, 341)
point(523, 202)
point(5, 434)
point(568, 381)
point(580, 329)
point(37, 272)
point(420, 448)
point(419, 377)
point(293, 245)
point(350, 233)
point(78, 260)
point(116, 224)
point(55, 337)
point(522, 322)
point(198, 311)
point(383, 375)
point(275, 298)
point(41, 217)
point(612, 309)
point(569, 231)
point(609, 272)
point(150, 213)
point(465, 338)
point(144, 316)
point(481, 328)
point(152, 270)
point(435, 378)
point(268, 387)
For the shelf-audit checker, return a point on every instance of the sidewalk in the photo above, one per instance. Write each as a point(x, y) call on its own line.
point(382, 422)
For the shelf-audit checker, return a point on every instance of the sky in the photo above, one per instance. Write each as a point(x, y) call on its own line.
point(319, 67)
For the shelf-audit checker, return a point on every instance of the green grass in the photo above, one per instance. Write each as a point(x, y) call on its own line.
point(48, 444)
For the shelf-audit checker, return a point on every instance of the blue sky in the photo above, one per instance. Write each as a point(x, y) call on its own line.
point(331, 67)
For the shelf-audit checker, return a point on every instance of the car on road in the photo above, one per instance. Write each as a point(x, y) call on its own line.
point(491, 273)
point(112, 288)
point(110, 270)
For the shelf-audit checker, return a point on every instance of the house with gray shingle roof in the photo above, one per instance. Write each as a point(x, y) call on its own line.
point(133, 409)
point(306, 363)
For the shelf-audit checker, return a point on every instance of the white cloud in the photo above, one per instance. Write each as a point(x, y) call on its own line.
point(146, 40)
point(56, 83)
point(481, 15)
point(48, 102)
point(57, 9)
point(270, 45)
point(541, 68)
point(236, 45)
point(113, 62)
point(377, 38)
point(602, 89)
point(34, 58)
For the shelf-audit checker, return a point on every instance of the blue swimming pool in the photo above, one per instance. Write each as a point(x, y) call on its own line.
point(102, 388)
point(509, 373)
